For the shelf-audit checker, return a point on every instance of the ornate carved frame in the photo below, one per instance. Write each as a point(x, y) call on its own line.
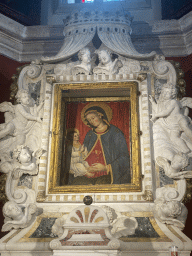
point(98, 90)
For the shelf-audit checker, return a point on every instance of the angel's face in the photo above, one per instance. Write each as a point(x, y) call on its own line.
point(171, 209)
point(178, 162)
point(25, 99)
point(86, 58)
point(167, 93)
point(14, 211)
point(25, 156)
point(104, 57)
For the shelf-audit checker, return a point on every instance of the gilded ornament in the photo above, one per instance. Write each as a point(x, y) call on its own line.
point(142, 77)
point(182, 83)
point(51, 79)
point(188, 194)
point(41, 197)
point(148, 195)
point(180, 73)
point(59, 111)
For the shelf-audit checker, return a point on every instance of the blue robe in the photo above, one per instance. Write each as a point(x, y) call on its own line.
point(116, 152)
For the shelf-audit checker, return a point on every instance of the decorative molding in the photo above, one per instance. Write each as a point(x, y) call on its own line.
point(23, 43)
point(41, 197)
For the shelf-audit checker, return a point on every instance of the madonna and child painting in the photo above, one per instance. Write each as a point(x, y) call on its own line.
point(97, 143)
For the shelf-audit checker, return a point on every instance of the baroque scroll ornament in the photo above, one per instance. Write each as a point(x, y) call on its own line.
point(16, 217)
point(168, 209)
point(86, 219)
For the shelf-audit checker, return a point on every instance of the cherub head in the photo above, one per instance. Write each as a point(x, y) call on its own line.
point(23, 97)
point(73, 134)
point(168, 91)
point(179, 161)
point(104, 56)
point(12, 210)
point(171, 209)
point(84, 55)
point(22, 154)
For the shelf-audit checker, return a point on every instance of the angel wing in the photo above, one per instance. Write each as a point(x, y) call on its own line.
point(9, 110)
point(7, 107)
point(175, 222)
point(32, 208)
point(164, 163)
point(15, 225)
point(7, 227)
point(186, 102)
point(38, 153)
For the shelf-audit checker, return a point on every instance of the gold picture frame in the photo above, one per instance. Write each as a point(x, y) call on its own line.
point(86, 93)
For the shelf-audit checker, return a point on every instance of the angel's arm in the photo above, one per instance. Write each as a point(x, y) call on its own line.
point(186, 102)
point(40, 106)
point(28, 116)
point(166, 112)
point(30, 169)
point(153, 103)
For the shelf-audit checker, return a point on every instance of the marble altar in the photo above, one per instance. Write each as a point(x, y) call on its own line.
point(144, 217)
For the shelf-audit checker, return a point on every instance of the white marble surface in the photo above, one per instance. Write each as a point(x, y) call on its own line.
point(127, 205)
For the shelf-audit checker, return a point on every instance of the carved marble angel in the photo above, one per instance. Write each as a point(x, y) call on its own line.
point(58, 227)
point(106, 65)
point(22, 162)
point(172, 132)
point(16, 217)
point(26, 161)
point(82, 66)
point(175, 168)
point(121, 225)
point(174, 116)
point(20, 119)
point(168, 209)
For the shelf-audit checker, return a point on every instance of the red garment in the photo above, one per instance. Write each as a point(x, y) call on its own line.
point(96, 156)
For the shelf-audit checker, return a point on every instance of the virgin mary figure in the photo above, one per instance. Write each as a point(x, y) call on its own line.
point(108, 156)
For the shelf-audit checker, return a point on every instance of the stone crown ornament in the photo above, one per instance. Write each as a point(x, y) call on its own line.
point(97, 16)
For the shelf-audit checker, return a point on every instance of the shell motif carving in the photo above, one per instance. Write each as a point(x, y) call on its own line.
point(87, 215)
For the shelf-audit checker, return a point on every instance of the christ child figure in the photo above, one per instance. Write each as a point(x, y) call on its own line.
point(76, 154)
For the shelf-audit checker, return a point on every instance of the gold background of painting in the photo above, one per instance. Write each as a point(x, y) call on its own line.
point(57, 138)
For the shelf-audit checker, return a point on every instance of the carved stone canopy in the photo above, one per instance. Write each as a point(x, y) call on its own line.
point(113, 29)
